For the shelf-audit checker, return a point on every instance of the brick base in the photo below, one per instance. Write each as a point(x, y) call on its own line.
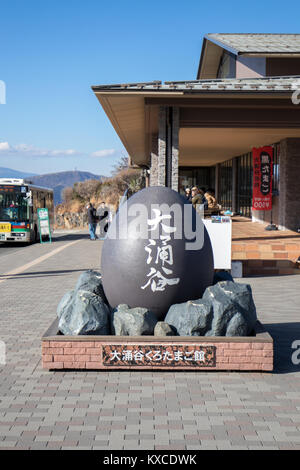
point(265, 267)
point(252, 353)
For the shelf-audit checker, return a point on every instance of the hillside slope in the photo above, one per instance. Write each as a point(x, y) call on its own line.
point(10, 173)
point(61, 180)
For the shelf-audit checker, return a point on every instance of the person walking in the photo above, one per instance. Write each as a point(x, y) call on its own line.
point(92, 219)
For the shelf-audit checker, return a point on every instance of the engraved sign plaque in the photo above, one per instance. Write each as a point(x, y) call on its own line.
point(159, 355)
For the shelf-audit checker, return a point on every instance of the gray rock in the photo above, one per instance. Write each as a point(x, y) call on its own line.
point(234, 312)
point(83, 313)
point(192, 318)
point(163, 329)
point(226, 309)
point(237, 326)
point(65, 303)
point(91, 281)
point(126, 321)
point(222, 276)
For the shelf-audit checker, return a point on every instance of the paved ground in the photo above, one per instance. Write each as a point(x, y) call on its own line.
point(131, 410)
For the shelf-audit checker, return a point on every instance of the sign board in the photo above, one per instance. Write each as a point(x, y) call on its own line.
point(44, 225)
point(262, 178)
point(219, 231)
point(159, 355)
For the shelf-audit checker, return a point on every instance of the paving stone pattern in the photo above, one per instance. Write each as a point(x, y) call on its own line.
point(137, 409)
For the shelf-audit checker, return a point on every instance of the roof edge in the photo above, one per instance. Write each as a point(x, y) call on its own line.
point(222, 44)
point(125, 85)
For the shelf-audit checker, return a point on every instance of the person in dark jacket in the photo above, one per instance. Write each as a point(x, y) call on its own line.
point(92, 218)
point(188, 194)
point(103, 213)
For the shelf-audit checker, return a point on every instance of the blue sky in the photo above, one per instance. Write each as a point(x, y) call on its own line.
point(52, 51)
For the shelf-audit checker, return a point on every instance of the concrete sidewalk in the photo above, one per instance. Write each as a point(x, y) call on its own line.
point(137, 410)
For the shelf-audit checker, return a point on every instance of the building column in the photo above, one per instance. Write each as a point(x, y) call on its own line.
point(289, 187)
point(162, 158)
point(234, 185)
point(168, 147)
point(154, 161)
point(175, 148)
point(217, 175)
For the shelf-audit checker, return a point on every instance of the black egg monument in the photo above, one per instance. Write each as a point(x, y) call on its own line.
point(157, 252)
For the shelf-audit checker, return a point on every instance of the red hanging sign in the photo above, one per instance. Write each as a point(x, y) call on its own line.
point(262, 178)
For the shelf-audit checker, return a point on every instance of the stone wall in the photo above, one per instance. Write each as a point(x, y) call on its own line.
point(159, 157)
point(70, 220)
point(161, 180)
point(289, 184)
point(154, 161)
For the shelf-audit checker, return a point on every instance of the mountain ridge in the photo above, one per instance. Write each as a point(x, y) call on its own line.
point(61, 180)
point(57, 181)
point(10, 173)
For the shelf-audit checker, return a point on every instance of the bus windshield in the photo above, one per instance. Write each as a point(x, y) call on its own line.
point(13, 203)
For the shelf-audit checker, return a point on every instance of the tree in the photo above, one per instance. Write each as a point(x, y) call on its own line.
point(122, 164)
point(85, 190)
point(67, 194)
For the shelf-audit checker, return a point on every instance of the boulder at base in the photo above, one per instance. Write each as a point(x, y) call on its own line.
point(126, 321)
point(226, 309)
point(91, 281)
point(163, 329)
point(83, 313)
point(192, 318)
point(234, 312)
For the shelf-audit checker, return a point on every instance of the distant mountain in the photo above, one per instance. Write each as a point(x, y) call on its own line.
point(61, 180)
point(9, 173)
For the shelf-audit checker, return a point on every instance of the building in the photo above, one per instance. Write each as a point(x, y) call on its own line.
point(203, 131)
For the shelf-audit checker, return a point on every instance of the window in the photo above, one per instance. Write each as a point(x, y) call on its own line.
point(244, 184)
point(227, 67)
point(13, 204)
point(225, 185)
point(196, 176)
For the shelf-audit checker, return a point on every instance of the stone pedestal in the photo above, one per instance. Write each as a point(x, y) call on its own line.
point(252, 353)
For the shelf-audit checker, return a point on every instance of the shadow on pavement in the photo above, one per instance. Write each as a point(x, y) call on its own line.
point(40, 274)
point(71, 237)
point(284, 334)
point(55, 238)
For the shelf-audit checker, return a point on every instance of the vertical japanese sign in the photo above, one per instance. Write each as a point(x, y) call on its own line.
point(160, 255)
point(44, 225)
point(262, 178)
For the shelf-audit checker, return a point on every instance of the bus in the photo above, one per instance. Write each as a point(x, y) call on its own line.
point(19, 202)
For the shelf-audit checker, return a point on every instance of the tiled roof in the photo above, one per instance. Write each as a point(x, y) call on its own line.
point(257, 43)
point(278, 84)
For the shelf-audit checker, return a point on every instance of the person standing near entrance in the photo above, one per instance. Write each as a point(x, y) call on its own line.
point(188, 194)
point(103, 216)
point(92, 219)
point(197, 196)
